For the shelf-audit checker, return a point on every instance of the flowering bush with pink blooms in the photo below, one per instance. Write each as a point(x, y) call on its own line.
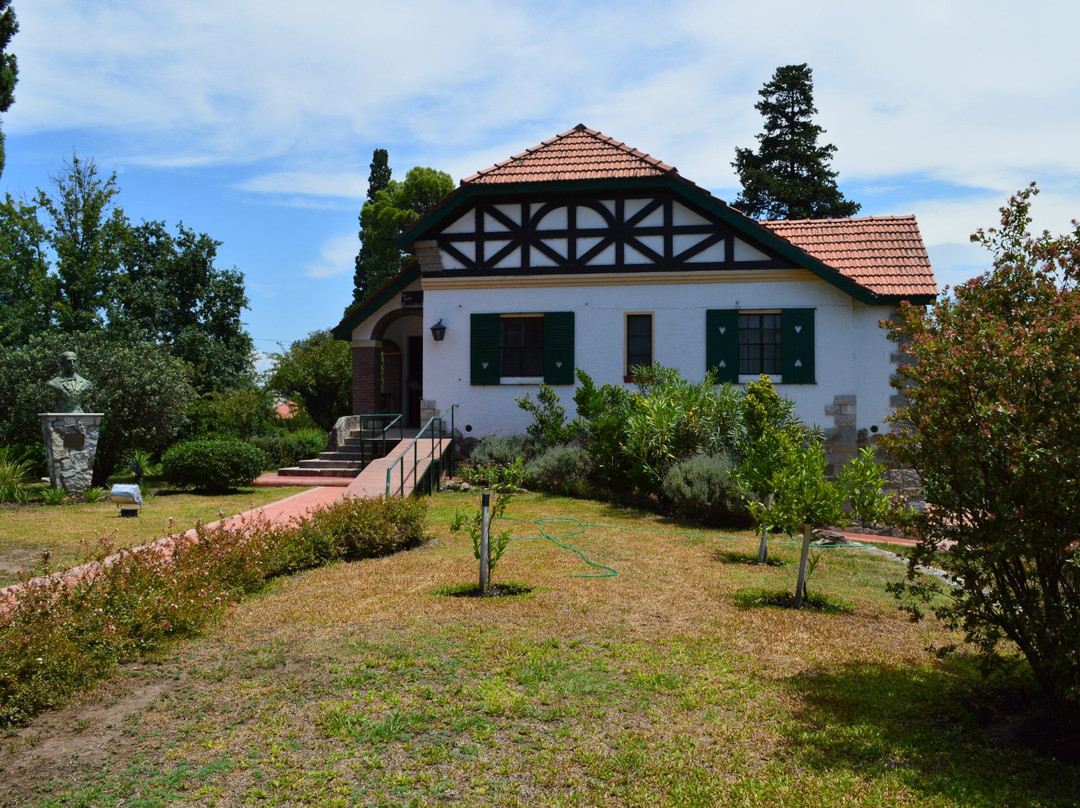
point(62, 632)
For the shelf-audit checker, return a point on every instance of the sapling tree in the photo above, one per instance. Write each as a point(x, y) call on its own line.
point(804, 498)
point(767, 418)
point(472, 523)
point(992, 425)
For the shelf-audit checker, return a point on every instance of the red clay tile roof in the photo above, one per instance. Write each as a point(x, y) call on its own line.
point(884, 254)
point(580, 154)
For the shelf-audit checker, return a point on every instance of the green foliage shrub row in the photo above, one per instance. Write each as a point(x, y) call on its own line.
point(215, 465)
point(502, 450)
point(505, 477)
point(289, 448)
point(59, 636)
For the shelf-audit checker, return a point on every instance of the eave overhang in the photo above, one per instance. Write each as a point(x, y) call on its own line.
point(359, 312)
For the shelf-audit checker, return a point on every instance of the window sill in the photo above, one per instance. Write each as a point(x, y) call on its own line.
point(746, 378)
point(521, 380)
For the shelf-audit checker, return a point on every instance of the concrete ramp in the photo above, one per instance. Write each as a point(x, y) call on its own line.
point(418, 458)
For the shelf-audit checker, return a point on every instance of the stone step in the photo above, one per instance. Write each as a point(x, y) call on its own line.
point(341, 454)
point(296, 471)
point(327, 464)
point(370, 443)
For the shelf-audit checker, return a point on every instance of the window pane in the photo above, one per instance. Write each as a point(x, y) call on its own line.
point(522, 346)
point(759, 344)
point(638, 340)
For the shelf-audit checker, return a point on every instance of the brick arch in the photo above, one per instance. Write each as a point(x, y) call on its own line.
point(367, 364)
point(379, 331)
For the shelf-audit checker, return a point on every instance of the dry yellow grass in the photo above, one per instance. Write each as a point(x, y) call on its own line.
point(357, 684)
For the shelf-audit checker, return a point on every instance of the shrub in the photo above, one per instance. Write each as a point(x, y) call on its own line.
point(501, 450)
point(706, 489)
point(367, 528)
point(61, 635)
point(636, 437)
point(216, 465)
point(241, 414)
point(561, 470)
point(549, 427)
point(503, 478)
point(14, 474)
point(991, 425)
point(288, 448)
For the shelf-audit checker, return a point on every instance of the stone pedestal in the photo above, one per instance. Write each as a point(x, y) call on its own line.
point(71, 440)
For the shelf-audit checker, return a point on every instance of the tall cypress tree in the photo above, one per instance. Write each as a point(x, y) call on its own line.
point(378, 180)
point(789, 176)
point(392, 207)
point(379, 177)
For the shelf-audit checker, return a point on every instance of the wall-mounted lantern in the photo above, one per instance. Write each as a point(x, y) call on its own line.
point(438, 331)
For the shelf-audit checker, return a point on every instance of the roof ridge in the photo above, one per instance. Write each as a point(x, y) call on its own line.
point(583, 162)
point(890, 217)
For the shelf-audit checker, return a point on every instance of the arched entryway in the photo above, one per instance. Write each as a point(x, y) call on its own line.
point(400, 366)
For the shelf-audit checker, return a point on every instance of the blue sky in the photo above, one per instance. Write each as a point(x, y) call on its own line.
point(255, 120)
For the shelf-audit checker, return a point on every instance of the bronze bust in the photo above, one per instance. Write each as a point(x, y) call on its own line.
point(69, 385)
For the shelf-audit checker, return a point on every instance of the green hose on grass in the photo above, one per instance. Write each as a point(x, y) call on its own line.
point(610, 572)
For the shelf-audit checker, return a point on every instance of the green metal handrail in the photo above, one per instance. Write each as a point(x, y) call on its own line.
point(435, 424)
point(396, 418)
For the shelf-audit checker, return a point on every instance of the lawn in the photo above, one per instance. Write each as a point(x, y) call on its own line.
point(359, 684)
point(69, 531)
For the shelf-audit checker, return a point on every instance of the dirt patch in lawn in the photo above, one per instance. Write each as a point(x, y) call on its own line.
point(82, 735)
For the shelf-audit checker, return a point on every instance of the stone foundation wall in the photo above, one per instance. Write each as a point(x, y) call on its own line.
point(842, 440)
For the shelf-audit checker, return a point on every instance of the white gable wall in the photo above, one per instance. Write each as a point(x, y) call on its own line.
point(851, 351)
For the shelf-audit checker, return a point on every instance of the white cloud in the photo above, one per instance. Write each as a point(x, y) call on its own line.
point(290, 183)
point(337, 257)
point(929, 88)
point(938, 109)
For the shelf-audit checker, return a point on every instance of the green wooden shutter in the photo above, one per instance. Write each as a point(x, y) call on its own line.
point(559, 347)
point(797, 344)
point(485, 335)
point(722, 344)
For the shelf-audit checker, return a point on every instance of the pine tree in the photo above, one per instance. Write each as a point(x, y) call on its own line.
point(789, 176)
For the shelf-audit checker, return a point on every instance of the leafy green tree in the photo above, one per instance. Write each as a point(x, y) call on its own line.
point(169, 288)
point(804, 498)
point(390, 211)
point(9, 68)
point(141, 389)
point(316, 372)
point(27, 290)
point(138, 281)
point(789, 176)
point(992, 426)
point(85, 230)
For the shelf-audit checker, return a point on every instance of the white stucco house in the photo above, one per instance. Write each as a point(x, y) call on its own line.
point(585, 253)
